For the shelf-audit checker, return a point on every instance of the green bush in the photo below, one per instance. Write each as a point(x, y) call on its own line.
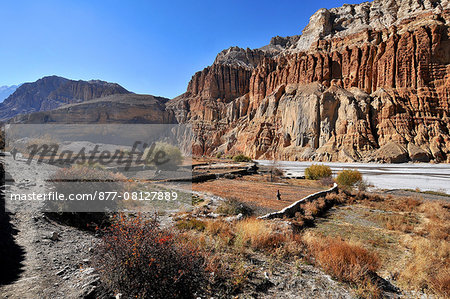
point(349, 178)
point(164, 156)
point(241, 158)
point(219, 155)
point(317, 172)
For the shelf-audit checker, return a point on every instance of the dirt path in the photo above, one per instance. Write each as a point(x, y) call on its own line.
point(56, 258)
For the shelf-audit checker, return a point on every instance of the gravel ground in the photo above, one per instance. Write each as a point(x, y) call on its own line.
point(56, 261)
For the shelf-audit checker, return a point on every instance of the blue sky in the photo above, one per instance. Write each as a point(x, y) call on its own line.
point(149, 47)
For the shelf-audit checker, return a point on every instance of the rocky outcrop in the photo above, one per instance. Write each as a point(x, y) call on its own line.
point(52, 92)
point(359, 78)
point(391, 152)
point(377, 15)
point(122, 109)
point(417, 154)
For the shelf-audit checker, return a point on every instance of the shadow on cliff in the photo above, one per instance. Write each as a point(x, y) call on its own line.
point(11, 254)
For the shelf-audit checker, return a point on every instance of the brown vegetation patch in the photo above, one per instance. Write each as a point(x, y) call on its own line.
point(346, 261)
point(228, 246)
point(410, 237)
point(141, 260)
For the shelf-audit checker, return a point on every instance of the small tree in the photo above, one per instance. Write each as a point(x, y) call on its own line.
point(241, 158)
point(164, 156)
point(349, 178)
point(317, 172)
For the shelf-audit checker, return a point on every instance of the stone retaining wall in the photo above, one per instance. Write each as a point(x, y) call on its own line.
point(295, 207)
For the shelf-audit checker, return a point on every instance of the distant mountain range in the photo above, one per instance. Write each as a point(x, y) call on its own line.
point(59, 100)
point(6, 91)
point(52, 92)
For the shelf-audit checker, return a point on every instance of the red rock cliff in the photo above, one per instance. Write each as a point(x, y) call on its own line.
point(377, 90)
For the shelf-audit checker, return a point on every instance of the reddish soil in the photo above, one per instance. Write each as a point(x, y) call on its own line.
point(258, 192)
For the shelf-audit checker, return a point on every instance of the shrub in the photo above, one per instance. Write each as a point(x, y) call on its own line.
point(404, 222)
point(84, 180)
point(241, 158)
point(275, 173)
point(349, 178)
point(317, 172)
point(219, 155)
point(191, 224)
point(233, 206)
point(326, 182)
point(345, 261)
point(141, 260)
point(315, 207)
point(164, 156)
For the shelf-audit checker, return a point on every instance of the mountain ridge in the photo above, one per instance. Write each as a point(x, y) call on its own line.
point(51, 92)
point(6, 91)
point(118, 108)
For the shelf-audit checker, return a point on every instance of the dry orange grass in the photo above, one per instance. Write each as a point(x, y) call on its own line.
point(222, 230)
point(429, 266)
point(346, 261)
point(437, 225)
point(427, 224)
point(389, 203)
point(227, 246)
point(247, 235)
point(436, 210)
point(435, 231)
point(257, 234)
point(405, 222)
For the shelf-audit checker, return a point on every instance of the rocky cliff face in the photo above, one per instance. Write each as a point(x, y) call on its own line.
point(364, 82)
point(52, 92)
